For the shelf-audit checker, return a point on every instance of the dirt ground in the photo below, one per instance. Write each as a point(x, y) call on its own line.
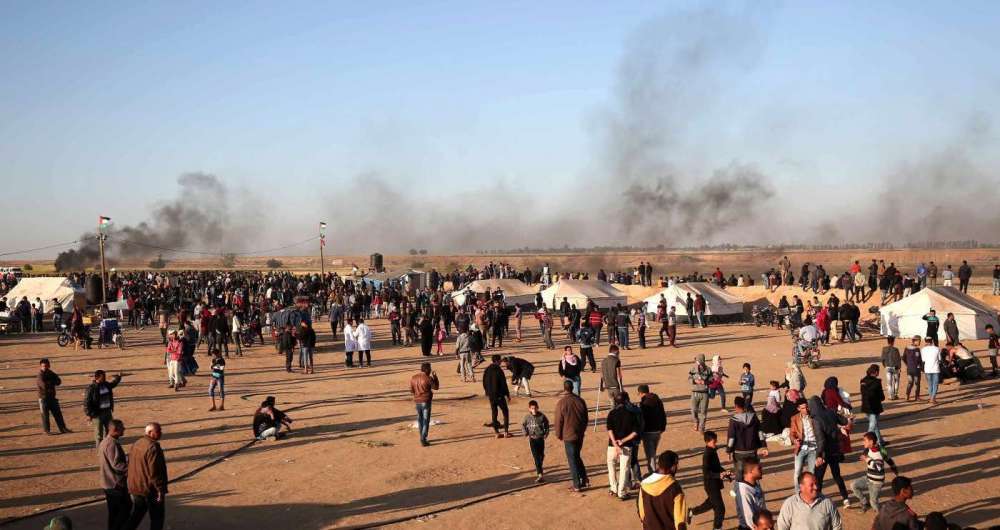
point(354, 459)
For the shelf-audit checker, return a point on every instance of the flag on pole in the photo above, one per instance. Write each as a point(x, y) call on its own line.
point(322, 241)
point(103, 222)
point(322, 225)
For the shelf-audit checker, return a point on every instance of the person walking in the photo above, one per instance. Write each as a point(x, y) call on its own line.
point(712, 476)
point(99, 403)
point(872, 397)
point(463, 349)
point(218, 381)
point(363, 338)
point(172, 358)
point(993, 345)
point(892, 361)
point(914, 367)
point(808, 509)
point(285, 345)
point(495, 386)
point(570, 367)
point(350, 342)
point(47, 381)
point(536, 427)
point(868, 487)
point(147, 479)
point(307, 345)
point(585, 338)
point(113, 471)
point(699, 376)
point(743, 437)
point(571, 427)
point(662, 505)
point(427, 336)
point(422, 386)
point(750, 501)
point(612, 379)
point(964, 275)
point(930, 358)
point(623, 430)
point(654, 423)
point(808, 442)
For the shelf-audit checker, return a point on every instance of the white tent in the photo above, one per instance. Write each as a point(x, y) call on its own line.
point(579, 292)
point(905, 318)
point(514, 291)
point(45, 288)
point(720, 306)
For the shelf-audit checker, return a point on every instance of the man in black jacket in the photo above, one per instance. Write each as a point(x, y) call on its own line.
point(872, 397)
point(964, 275)
point(495, 385)
point(99, 403)
point(743, 436)
point(654, 419)
point(47, 381)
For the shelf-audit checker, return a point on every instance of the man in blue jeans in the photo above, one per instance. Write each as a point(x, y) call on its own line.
point(570, 427)
point(931, 357)
point(423, 385)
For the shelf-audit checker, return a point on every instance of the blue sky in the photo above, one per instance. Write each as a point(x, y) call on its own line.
point(103, 106)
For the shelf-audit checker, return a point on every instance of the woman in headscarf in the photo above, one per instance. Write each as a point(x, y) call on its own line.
point(570, 367)
point(426, 336)
point(770, 417)
point(794, 380)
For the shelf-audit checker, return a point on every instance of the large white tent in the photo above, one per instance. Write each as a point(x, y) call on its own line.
point(46, 288)
point(579, 292)
point(514, 291)
point(905, 318)
point(720, 306)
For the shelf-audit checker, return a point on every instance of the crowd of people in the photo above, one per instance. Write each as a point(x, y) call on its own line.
point(221, 308)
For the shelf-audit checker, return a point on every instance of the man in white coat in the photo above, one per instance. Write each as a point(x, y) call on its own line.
point(350, 343)
point(363, 336)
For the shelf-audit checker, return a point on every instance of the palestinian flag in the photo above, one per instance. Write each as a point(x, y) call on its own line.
point(322, 241)
point(322, 225)
point(103, 222)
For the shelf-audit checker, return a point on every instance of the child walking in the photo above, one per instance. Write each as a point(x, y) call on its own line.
point(747, 382)
point(440, 339)
point(713, 475)
point(536, 428)
point(218, 381)
point(715, 383)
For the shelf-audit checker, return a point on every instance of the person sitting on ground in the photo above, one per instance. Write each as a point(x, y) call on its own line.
point(268, 420)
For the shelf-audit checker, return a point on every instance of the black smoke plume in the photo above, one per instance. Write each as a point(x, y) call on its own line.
point(201, 217)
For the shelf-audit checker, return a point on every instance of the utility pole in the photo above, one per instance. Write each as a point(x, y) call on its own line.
point(322, 243)
point(102, 223)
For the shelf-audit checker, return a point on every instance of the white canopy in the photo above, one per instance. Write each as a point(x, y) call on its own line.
point(45, 288)
point(514, 291)
point(579, 292)
point(905, 318)
point(717, 301)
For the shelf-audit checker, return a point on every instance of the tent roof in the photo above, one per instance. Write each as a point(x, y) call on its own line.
point(717, 298)
point(587, 288)
point(510, 287)
point(46, 288)
point(943, 300)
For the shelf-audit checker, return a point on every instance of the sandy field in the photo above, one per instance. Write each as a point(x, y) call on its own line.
point(354, 460)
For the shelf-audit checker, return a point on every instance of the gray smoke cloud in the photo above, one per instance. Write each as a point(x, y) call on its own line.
point(944, 195)
point(205, 215)
point(671, 73)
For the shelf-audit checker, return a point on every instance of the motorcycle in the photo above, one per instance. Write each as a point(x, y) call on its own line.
point(65, 337)
point(763, 315)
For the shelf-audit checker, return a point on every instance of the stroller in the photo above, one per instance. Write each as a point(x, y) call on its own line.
point(110, 334)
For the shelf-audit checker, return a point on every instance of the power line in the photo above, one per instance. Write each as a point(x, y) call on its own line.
point(47, 247)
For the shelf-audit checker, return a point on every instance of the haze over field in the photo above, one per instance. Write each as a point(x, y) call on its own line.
point(464, 128)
